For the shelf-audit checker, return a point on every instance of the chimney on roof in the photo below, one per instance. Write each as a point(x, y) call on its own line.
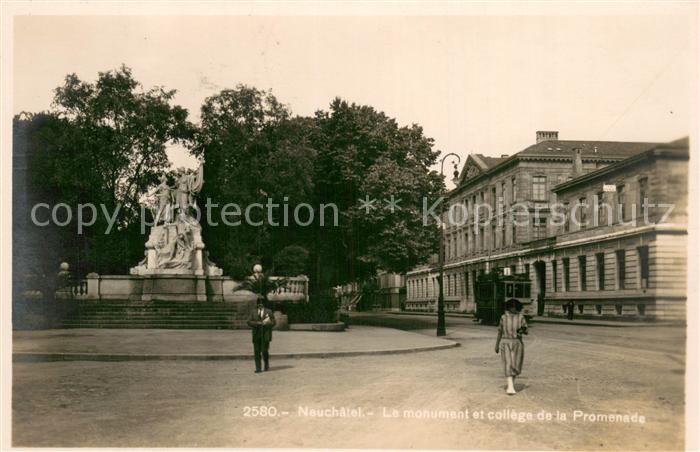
point(547, 135)
point(578, 162)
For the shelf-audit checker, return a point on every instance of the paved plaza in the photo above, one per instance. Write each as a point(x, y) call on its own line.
point(391, 400)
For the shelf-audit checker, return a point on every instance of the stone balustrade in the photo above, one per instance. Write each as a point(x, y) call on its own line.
point(296, 289)
point(75, 290)
point(221, 288)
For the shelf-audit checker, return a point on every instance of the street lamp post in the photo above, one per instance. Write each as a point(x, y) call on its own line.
point(441, 253)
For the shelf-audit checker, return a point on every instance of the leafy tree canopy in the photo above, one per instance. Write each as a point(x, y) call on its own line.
point(119, 131)
point(367, 155)
point(292, 260)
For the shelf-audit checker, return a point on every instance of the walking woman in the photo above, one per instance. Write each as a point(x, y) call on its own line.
point(510, 342)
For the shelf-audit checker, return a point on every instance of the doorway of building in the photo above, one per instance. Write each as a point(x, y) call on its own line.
point(541, 279)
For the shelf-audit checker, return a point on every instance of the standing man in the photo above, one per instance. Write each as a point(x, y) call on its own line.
point(261, 320)
point(570, 310)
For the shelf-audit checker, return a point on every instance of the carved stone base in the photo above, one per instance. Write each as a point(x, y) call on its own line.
point(194, 261)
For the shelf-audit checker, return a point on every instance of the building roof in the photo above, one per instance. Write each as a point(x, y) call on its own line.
point(681, 143)
point(557, 149)
point(602, 149)
point(490, 162)
point(674, 149)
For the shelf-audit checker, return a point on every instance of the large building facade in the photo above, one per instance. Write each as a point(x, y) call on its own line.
point(571, 215)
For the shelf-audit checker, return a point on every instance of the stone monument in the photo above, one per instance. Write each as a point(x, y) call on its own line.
point(176, 265)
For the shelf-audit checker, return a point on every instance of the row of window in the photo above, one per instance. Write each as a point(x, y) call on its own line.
point(509, 196)
point(479, 197)
point(428, 287)
point(640, 308)
point(430, 306)
point(504, 235)
point(470, 241)
point(601, 271)
point(614, 208)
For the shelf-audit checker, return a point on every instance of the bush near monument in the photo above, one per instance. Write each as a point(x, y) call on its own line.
point(292, 260)
point(317, 310)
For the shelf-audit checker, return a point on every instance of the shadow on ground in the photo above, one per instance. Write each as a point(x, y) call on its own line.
point(402, 323)
point(274, 368)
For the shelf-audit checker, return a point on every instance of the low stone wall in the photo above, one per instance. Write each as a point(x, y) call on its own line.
point(117, 287)
point(175, 287)
point(338, 326)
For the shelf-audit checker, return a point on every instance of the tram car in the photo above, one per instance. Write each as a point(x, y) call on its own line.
point(494, 288)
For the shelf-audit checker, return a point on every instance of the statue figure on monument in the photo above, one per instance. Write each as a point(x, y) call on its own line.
point(164, 201)
point(175, 252)
point(187, 186)
point(182, 257)
point(175, 245)
point(164, 249)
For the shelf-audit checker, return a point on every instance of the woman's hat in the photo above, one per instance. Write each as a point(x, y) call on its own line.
point(513, 302)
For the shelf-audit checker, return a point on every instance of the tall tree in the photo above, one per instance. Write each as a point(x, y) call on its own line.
point(366, 155)
point(254, 151)
point(122, 132)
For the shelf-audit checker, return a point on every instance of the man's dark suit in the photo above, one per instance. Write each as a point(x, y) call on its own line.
point(262, 335)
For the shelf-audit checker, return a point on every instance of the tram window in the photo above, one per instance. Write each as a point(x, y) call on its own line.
point(522, 291)
point(519, 291)
point(509, 290)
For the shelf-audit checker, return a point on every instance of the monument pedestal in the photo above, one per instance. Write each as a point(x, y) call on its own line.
point(176, 249)
point(167, 287)
point(176, 266)
point(175, 287)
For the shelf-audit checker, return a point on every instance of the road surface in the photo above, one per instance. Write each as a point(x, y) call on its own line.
point(582, 388)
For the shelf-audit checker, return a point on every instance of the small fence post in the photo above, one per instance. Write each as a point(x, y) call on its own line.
point(93, 286)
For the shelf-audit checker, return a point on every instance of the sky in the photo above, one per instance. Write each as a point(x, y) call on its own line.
point(476, 84)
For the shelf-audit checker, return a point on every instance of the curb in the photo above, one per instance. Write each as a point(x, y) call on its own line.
point(610, 323)
point(33, 357)
point(450, 314)
point(562, 321)
point(333, 327)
